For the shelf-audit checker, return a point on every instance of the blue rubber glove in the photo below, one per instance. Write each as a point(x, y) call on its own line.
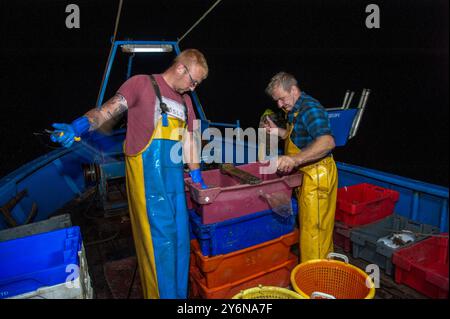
point(65, 134)
point(196, 176)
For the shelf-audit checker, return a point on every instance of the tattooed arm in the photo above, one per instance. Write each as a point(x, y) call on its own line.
point(109, 110)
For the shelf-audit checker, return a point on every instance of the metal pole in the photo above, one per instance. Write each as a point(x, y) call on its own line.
point(361, 107)
point(361, 98)
point(366, 97)
point(130, 65)
point(344, 103)
point(106, 76)
point(352, 93)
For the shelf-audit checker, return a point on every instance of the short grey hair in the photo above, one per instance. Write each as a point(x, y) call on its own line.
point(283, 79)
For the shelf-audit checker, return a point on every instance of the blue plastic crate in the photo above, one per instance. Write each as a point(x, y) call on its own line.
point(29, 263)
point(242, 232)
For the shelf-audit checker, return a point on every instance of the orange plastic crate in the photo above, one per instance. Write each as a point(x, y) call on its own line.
point(278, 276)
point(222, 269)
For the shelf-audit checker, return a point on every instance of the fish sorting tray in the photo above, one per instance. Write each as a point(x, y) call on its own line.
point(226, 198)
point(278, 276)
point(222, 269)
point(341, 236)
point(242, 232)
point(31, 262)
point(76, 288)
point(371, 242)
point(364, 203)
point(424, 266)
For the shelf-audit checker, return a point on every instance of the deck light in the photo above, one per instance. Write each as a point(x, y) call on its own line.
point(131, 48)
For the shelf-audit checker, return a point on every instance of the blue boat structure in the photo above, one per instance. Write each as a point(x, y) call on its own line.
point(87, 181)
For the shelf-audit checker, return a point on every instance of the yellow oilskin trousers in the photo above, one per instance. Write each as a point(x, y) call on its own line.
point(317, 204)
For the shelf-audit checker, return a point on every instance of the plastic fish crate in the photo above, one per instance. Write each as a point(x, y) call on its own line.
point(278, 276)
point(79, 288)
point(222, 269)
point(32, 262)
point(364, 239)
point(225, 198)
point(53, 223)
point(189, 203)
point(341, 236)
point(364, 203)
point(242, 232)
point(424, 267)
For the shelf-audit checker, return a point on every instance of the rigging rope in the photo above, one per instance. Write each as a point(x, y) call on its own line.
point(110, 50)
point(198, 21)
point(117, 26)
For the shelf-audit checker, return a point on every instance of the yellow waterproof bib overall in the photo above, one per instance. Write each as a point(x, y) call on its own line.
point(158, 212)
point(317, 204)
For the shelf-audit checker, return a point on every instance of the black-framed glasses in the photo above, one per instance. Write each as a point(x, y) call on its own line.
point(194, 83)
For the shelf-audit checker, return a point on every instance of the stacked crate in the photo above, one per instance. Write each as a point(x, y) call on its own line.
point(239, 241)
point(365, 225)
point(44, 260)
point(359, 205)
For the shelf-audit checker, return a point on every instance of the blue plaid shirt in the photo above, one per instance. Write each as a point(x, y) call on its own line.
point(311, 120)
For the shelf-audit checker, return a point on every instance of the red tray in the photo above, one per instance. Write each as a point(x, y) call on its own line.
point(226, 198)
point(364, 203)
point(341, 236)
point(424, 266)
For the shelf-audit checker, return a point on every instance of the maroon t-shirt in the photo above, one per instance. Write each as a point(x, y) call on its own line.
point(144, 111)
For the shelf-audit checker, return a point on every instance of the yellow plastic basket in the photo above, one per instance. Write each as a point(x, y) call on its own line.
point(267, 292)
point(327, 278)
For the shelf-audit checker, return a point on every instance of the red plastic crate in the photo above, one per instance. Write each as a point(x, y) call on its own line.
point(222, 269)
point(341, 236)
point(424, 267)
point(364, 203)
point(189, 203)
point(278, 276)
point(226, 198)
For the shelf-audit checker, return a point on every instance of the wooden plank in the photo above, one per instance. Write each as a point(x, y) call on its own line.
point(243, 176)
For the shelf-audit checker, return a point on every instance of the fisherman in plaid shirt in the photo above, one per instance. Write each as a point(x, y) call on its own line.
point(308, 145)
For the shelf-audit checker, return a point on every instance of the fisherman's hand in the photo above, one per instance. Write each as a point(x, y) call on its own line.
point(196, 176)
point(269, 124)
point(272, 128)
point(64, 134)
point(286, 164)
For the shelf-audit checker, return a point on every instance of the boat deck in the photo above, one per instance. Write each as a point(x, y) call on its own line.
point(111, 255)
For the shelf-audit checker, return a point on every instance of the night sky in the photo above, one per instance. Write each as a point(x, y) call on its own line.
point(50, 73)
